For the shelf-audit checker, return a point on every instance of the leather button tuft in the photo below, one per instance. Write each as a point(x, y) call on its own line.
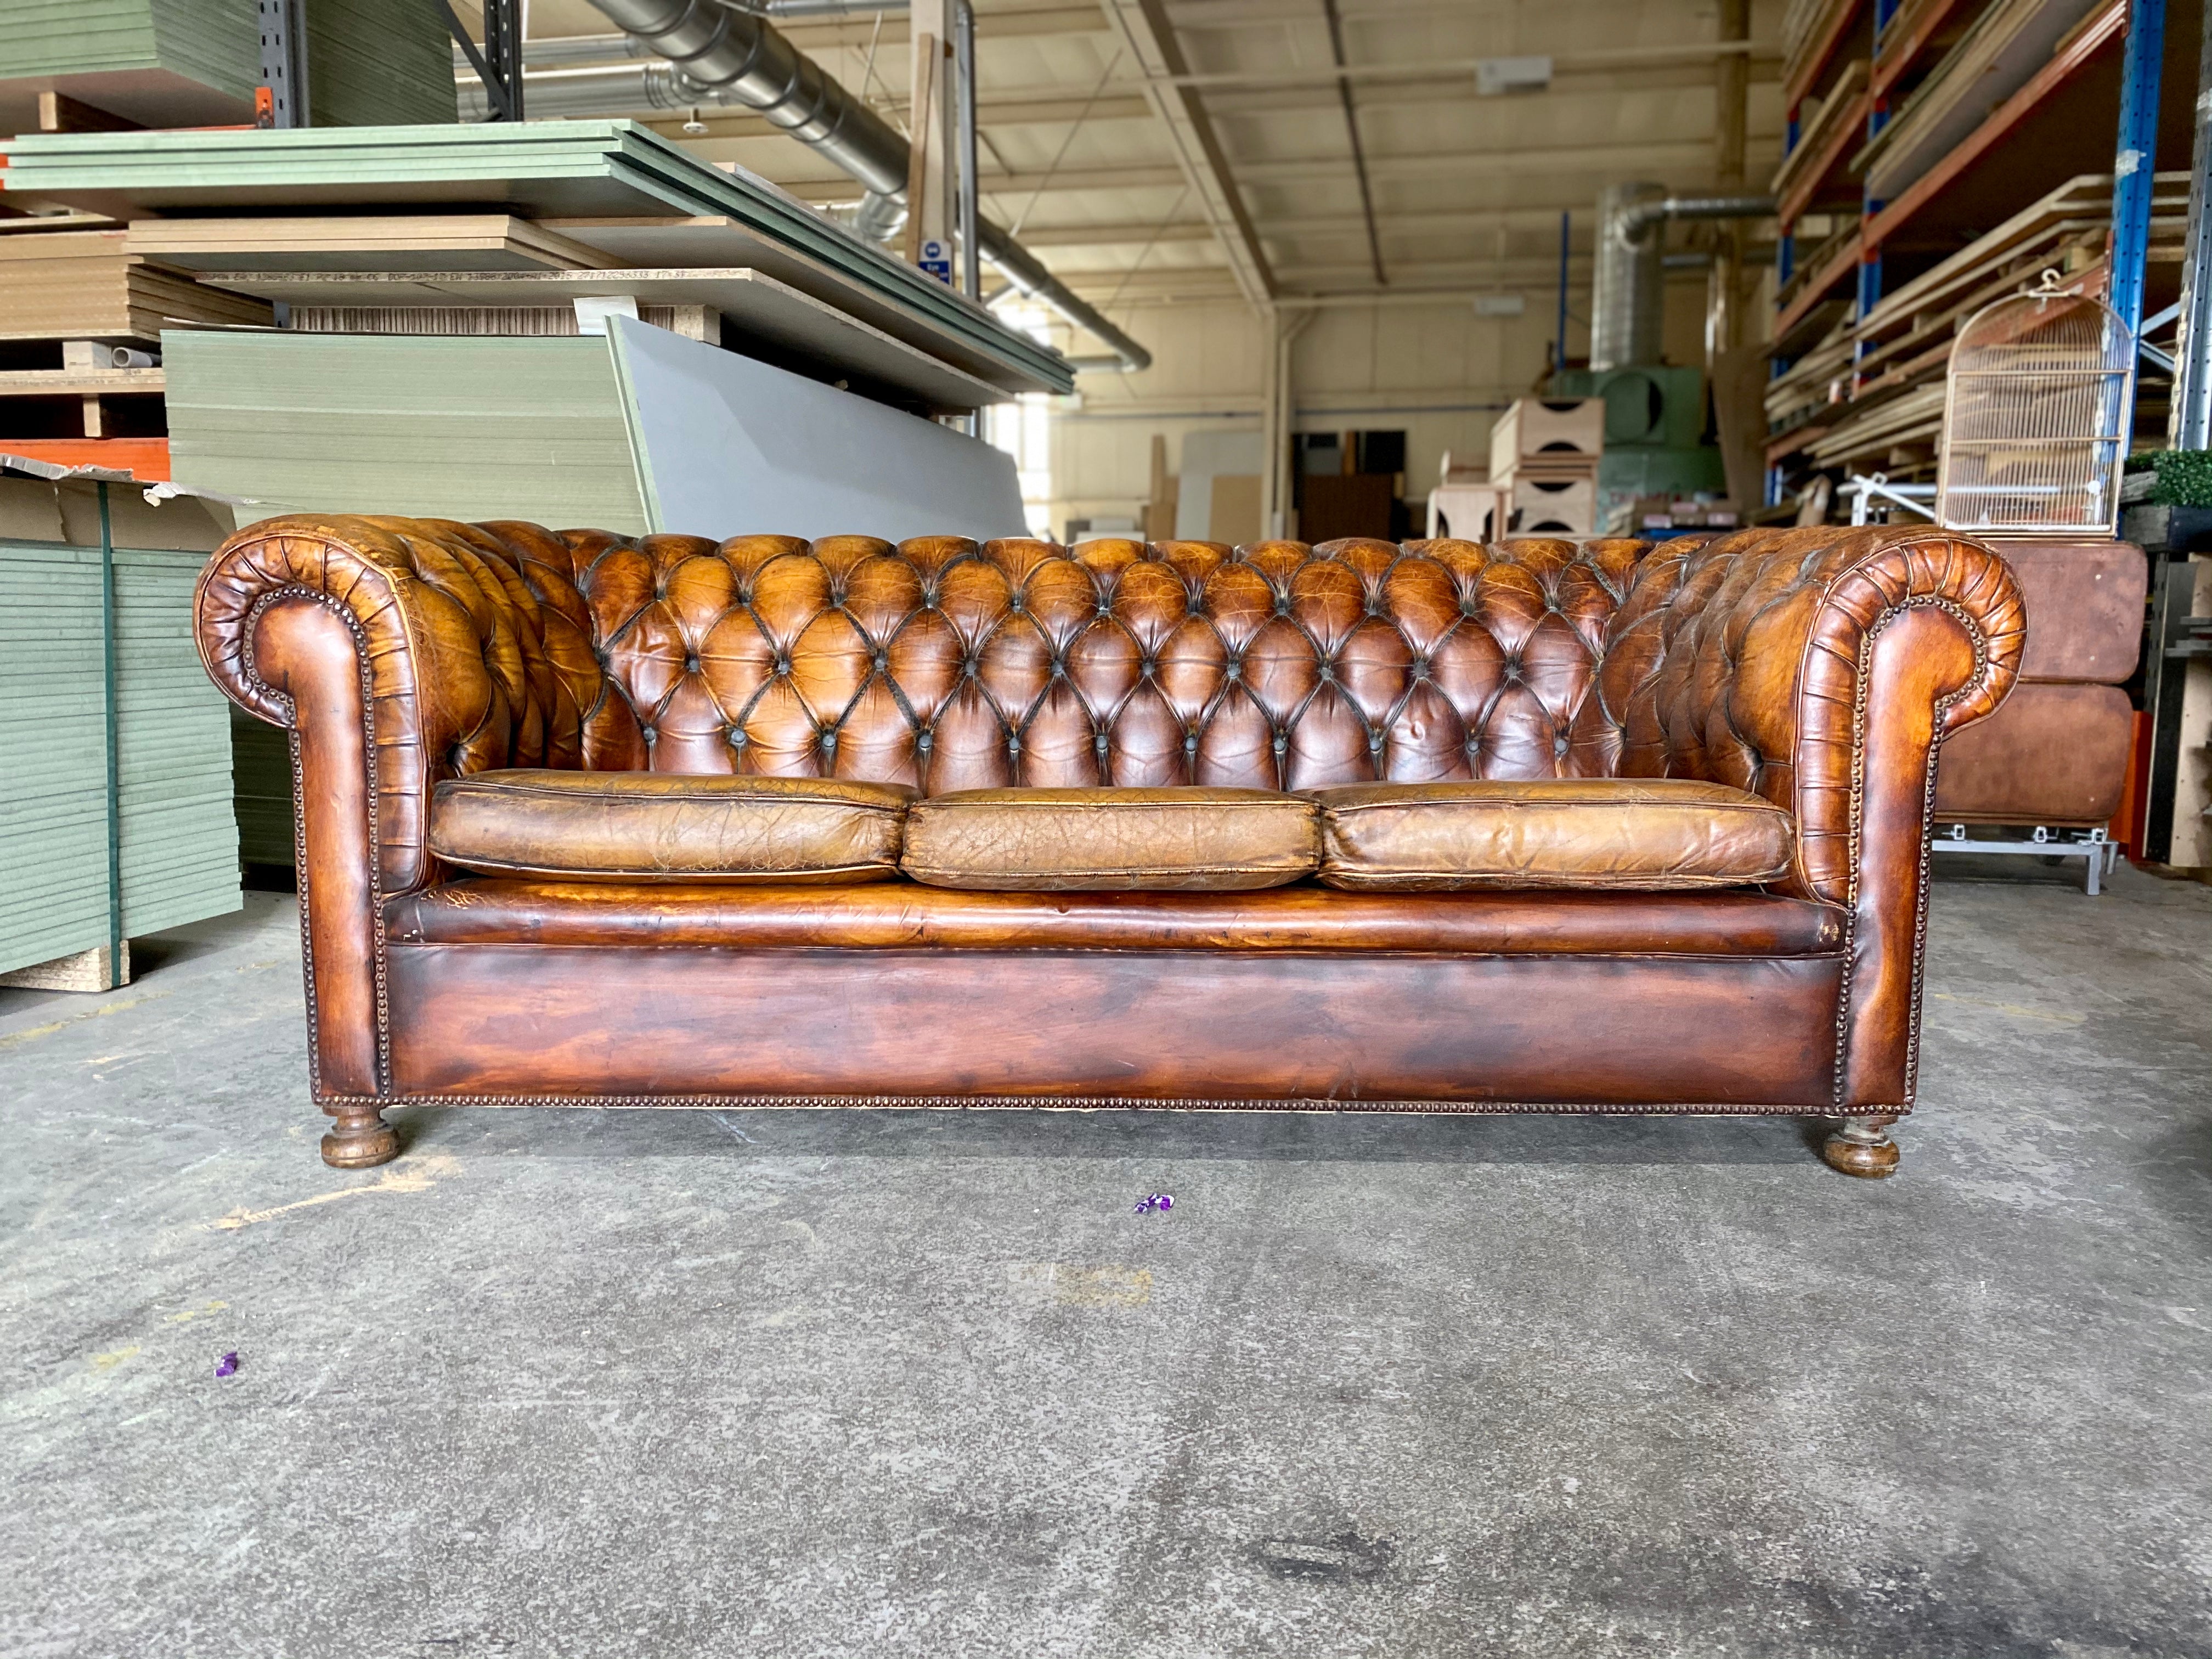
point(691, 664)
point(923, 742)
point(1281, 743)
point(883, 662)
point(1013, 745)
point(1559, 745)
point(1190, 743)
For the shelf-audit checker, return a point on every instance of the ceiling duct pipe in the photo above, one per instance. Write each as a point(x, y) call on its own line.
point(725, 55)
point(1627, 308)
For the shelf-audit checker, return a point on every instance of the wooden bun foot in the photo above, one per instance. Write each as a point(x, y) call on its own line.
point(359, 1141)
point(1862, 1148)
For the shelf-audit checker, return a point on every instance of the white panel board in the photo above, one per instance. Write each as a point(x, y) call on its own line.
point(727, 446)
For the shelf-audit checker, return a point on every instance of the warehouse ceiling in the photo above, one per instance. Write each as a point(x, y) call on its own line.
point(1106, 127)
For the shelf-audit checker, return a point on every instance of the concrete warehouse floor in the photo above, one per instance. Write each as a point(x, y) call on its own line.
point(628, 1383)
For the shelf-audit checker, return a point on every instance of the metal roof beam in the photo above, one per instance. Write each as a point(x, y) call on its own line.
point(1150, 39)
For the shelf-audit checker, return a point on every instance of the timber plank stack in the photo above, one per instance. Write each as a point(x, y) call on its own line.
point(1866, 396)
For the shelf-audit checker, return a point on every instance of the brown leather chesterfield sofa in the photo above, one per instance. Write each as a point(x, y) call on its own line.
point(1543, 826)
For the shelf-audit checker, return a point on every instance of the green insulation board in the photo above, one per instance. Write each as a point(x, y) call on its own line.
point(177, 61)
point(442, 427)
point(544, 170)
point(261, 765)
point(178, 839)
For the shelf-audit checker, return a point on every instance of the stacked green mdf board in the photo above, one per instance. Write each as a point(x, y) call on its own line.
point(184, 63)
point(425, 426)
point(178, 838)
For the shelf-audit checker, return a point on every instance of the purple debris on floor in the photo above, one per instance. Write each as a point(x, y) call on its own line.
point(1155, 1201)
point(228, 1366)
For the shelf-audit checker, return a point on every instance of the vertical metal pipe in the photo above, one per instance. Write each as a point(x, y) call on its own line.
point(2189, 425)
point(1559, 350)
point(971, 252)
point(107, 665)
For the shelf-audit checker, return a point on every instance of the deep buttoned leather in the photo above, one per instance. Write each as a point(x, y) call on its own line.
point(1640, 835)
point(1817, 668)
point(660, 826)
point(1191, 840)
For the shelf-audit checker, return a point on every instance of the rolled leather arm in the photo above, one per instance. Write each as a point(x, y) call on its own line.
point(1752, 660)
point(1821, 668)
point(471, 645)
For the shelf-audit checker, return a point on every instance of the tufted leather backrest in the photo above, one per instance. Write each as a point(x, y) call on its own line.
point(947, 665)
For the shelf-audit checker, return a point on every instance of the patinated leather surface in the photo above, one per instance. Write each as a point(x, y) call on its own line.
point(2055, 754)
point(654, 1025)
point(1818, 668)
point(474, 650)
point(1642, 835)
point(1193, 839)
point(1747, 661)
point(905, 915)
point(662, 826)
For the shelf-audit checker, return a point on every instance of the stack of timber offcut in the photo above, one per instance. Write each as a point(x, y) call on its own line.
point(81, 323)
point(1869, 396)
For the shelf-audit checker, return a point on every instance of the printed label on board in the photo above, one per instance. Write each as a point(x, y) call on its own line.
point(937, 260)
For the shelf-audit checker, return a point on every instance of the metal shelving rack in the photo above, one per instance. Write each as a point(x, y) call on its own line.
point(2104, 75)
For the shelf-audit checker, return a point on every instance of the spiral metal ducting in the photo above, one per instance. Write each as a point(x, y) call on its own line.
point(725, 56)
point(1627, 305)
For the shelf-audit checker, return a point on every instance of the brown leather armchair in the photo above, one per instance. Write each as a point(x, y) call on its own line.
point(1364, 827)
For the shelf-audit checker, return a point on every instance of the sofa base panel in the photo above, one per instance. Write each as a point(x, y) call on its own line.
point(1391, 1032)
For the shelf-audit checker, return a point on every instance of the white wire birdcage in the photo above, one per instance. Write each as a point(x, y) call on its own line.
point(2034, 416)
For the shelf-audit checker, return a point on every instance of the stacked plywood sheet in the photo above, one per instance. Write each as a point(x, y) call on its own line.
point(2007, 44)
point(185, 63)
point(87, 285)
point(423, 241)
point(178, 844)
point(745, 309)
point(610, 186)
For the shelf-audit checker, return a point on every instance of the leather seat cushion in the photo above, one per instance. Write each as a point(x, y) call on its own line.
point(1641, 835)
point(1305, 919)
point(1188, 839)
point(663, 826)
